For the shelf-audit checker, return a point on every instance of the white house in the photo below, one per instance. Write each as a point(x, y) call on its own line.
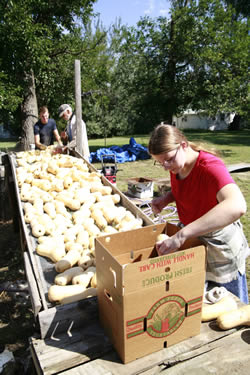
point(199, 120)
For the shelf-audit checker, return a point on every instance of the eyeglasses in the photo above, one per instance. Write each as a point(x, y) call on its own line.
point(168, 162)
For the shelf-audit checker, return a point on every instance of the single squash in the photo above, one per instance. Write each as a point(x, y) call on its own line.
point(213, 311)
point(235, 318)
point(65, 277)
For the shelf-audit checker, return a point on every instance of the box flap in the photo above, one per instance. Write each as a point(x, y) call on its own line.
point(136, 239)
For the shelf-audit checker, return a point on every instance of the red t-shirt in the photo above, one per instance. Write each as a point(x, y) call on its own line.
point(196, 194)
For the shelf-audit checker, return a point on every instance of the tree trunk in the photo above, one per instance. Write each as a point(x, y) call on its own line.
point(29, 111)
point(235, 125)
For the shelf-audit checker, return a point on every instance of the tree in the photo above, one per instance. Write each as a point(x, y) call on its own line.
point(32, 34)
point(198, 58)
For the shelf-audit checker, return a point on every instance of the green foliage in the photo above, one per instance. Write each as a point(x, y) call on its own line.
point(139, 76)
point(32, 34)
point(196, 59)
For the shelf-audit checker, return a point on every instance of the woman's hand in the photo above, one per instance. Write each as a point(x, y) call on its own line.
point(170, 245)
point(158, 204)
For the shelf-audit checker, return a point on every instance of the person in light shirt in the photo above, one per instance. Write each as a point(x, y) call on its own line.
point(209, 206)
point(69, 136)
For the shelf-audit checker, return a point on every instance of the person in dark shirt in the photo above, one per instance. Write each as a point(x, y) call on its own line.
point(45, 130)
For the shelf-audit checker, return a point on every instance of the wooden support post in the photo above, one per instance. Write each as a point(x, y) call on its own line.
point(81, 133)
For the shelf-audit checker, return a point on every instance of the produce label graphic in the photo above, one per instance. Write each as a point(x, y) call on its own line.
point(164, 317)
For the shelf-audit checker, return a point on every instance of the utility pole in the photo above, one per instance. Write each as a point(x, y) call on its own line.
point(82, 145)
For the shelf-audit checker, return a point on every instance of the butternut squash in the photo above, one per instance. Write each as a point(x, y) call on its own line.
point(65, 162)
point(27, 207)
point(46, 196)
point(93, 281)
point(109, 229)
point(38, 205)
point(89, 292)
point(25, 188)
point(85, 277)
point(97, 195)
point(100, 220)
point(161, 237)
point(57, 185)
point(82, 194)
point(44, 175)
point(52, 249)
point(125, 225)
point(235, 318)
point(71, 245)
point(85, 261)
point(116, 198)
point(53, 167)
point(50, 209)
point(62, 223)
point(92, 229)
point(38, 230)
point(29, 178)
point(120, 212)
point(213, 311)
point(58, 292)
point(109, 212)
point(82, 238)
point(69, 235)
point(62, 173)
point(68, 261)
point(29, 216)
point(42, 184)
point(104, 190)
point(92, 245)
point(72, 204)
point(65, 277)
point(61, 209)
point(81, 215)
point(67, 182)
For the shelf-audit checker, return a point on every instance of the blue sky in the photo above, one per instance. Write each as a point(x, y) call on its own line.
point(129, 11)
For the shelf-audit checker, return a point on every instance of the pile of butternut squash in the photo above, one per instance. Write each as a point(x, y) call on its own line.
point(226, 313)
point(66, 207)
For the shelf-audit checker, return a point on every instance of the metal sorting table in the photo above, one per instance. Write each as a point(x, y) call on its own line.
point(40, 272)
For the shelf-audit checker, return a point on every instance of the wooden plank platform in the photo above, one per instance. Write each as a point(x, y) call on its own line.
point(88, 351)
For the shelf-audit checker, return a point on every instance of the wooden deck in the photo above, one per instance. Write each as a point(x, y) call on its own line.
point(88, 351)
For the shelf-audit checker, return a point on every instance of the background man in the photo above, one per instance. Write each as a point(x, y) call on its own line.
point(45, 130)
point(69, 136)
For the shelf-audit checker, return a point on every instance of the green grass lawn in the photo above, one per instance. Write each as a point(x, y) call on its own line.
point(233, 146)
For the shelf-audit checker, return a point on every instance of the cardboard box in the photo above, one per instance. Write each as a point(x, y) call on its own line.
point(141, 187)
point(148, 302)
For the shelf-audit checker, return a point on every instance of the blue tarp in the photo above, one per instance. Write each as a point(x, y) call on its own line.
point(131, 152)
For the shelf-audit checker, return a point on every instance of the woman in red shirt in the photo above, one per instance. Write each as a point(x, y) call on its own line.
point(209, 205)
